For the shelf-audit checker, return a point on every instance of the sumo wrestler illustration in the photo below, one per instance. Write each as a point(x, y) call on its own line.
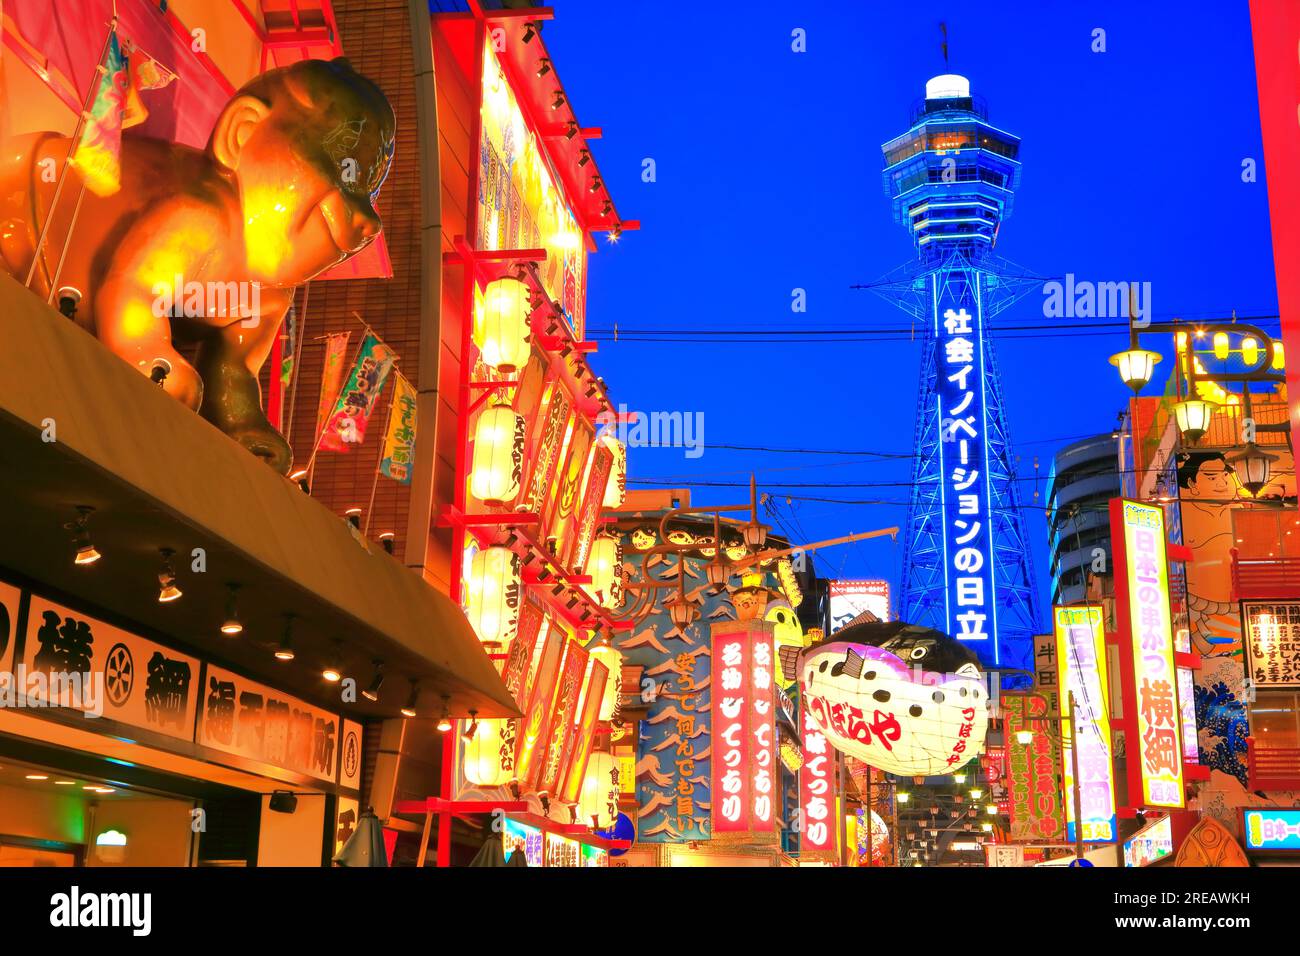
point(285, 189)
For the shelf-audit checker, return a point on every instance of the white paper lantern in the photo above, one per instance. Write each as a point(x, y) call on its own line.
point(605, 566)
point(498, 463)
point(598, 804)
point(616, 486)
point(613, 661)
point(493, 592)
point(482, 754)
point(502, 332)
point(914, 704)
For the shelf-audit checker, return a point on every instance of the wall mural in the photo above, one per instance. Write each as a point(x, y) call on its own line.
point(675, 741)
point(1209, 492)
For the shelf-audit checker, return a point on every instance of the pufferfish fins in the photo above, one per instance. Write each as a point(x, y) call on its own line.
point(852, 664)
point(789, 661)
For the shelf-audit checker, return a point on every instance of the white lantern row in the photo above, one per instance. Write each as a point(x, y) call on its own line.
point(502, 334)
point(605, 566)
point(498, 464)
point(493, 595)
point(598, 803)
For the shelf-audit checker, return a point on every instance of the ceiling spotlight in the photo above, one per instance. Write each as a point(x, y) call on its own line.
point(614, 235)
point(544, 68)
point(285, 651)
point(444, 722)
point(607, 208)
point(531, 30)
point(471, 728)
point(167, 589)
point(371, 693)
point(559, 100)
point(354, 517)
point(409, 709)
point(86, 550)
point(232, 625)
point(332, 671)
point(571, 130)
point(584, 157)
point(386, 539)
point(69, 298)
point(595, 184)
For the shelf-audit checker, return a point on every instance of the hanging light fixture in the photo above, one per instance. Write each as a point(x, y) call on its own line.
point(167, 589)
point(756, 535)
point(493, 591)
point(1193, 416)
point(992, 808)
point(409, 709)
point(1136, 366)
point(605, 565)
point(1253, 466)
point(681, 611)
point(598, 798)
point(371, 693)
point(284, 652)
point(1221, 345)
point(232, 624)
point(606, 653)
point(444, 722)
point(497, 466)
point(471, 726)
point(333, 669)
point(976, 793)
point(501, 332)
point(1024, 737)
point(86, 552)
point(903, 796)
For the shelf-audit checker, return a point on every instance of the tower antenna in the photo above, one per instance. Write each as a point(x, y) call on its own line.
point(943, 28)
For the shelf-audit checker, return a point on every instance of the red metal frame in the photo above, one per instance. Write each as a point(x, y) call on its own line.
point(1272, 768)
point(1263, 579)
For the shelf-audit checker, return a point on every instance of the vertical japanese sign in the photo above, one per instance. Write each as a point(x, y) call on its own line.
point(764, 775)
point(1081, 658)
point(971, 610)
point(532, 730)
point(564, 711)
point(1155, 761)
point(583, 733)
point(399, 444)
point(731, 684)
point(1033, 770)
point(816, 792)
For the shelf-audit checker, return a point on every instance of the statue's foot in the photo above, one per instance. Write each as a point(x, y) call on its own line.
point(266, 443)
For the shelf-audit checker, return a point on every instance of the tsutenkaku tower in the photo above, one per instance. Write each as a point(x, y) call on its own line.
point(967, 569)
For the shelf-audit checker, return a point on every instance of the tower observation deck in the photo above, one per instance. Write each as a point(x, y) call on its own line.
point(967, 571)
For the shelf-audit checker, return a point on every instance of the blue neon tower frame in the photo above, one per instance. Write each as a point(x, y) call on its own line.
point(967, 570)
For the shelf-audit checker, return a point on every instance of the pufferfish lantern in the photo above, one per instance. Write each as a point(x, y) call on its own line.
point(905, 699)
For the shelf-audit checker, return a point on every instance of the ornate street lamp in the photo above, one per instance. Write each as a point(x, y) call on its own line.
point(1136, 366)
point(1253, 465)
point(1193, 416)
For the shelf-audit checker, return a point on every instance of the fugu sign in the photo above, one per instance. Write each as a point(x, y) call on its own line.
point(904, 699)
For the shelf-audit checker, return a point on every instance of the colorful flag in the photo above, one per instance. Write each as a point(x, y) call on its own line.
point(290, 349)
point(144, 73)
point(331, 379)
point(98, 156)
point(399, 443)
point(347, 423)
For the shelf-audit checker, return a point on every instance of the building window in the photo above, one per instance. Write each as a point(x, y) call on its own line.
point(1275, 719)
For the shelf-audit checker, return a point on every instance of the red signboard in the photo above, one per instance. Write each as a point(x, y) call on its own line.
point(765, 778)
point(816, 791)
point(730, 788)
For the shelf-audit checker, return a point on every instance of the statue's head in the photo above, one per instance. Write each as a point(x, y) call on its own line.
point(309, 147)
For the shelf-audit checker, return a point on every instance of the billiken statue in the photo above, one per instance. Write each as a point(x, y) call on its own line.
point(208, 247)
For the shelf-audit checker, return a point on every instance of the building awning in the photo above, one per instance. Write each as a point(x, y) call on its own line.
point(159, 476)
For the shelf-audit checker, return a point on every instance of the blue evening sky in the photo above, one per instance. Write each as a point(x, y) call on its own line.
point(768, 178)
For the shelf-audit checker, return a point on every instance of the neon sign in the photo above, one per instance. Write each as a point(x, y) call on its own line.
point(1081, 653)
point(971, 610)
